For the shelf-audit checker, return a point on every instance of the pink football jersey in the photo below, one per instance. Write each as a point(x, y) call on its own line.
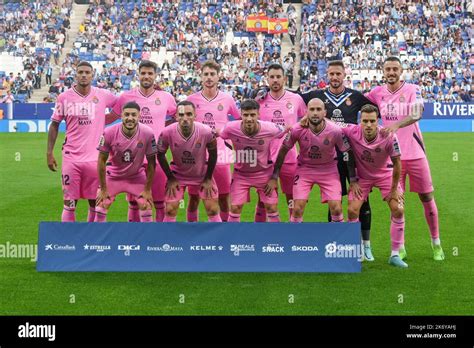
point(85, 121)
point(395, 106)
point(189, 163)
point(252, 154)
point(285, 111)
point(373, 159)
point(126, 155)
point(153, 108)
point(215, 114)
point(317, 148)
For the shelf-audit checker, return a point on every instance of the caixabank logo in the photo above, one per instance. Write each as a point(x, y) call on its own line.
point(59, 247)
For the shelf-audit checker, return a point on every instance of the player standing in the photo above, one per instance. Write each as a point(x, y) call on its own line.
point(285, 109)
point(401, 106)
point(372, 151)
point(127, 144)
point(316, 161)
point(155, 106)
point(213, 108)
point(343, 105)
point(82, 107)
point(253, 166)
point(190, 142)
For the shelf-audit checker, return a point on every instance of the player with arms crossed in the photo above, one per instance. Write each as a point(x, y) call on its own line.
point(127, 144)
point(316, 164)
point(82, 107)
point(372, 152)
point(253, 166)
point(190, 142)
point(155, 106)
point(285, 109)
point(401, 106)
point(212, 109)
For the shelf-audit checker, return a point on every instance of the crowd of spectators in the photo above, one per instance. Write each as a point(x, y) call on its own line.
point(120, 34)
point(433, 39)
point(36, 32)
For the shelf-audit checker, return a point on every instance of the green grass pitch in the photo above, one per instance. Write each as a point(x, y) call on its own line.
point(31, 193)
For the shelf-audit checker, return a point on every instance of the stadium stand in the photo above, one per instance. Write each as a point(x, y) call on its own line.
point(32, 35)
point(430, 37)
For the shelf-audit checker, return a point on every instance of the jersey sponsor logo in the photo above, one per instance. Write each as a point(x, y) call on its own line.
point(277, 114)
point(314, 152)
point(127, 156)
point(187, 158)
point(289, 106)
point(396, 146)
point(208, 116)
point(146, 116)
point(153, 145)
point(337, 115)
point(367, 156)
point(102, 140)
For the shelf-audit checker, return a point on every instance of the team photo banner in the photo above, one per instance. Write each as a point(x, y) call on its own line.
point(199, 247)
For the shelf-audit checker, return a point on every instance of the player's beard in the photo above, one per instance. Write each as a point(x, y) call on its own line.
point(315, 123)
point(146, 84)
point(277, 87)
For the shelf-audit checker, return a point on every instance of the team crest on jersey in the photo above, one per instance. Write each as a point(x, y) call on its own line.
point(95, 100)
point(348, 102)
point(140, 144)
point(157, 101)
point(198, 145)
point(277, 113)
point(378, 149)
point(289, 106)
point(402, 98)
point(326, 141)
point(220, 107)
point(261, 142)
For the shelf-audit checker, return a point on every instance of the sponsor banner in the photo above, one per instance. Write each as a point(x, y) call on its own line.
point(28, 126)
point(198, 247)
point(459, 111)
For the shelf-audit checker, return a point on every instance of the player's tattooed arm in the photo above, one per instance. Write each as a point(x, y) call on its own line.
point(273, 182)
point(397, 170)
point(52, 136)
point(101, 163)
point(351, 169)
point(172, 184)
point(206, 185)
point(150, 173)
point(111, 117)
